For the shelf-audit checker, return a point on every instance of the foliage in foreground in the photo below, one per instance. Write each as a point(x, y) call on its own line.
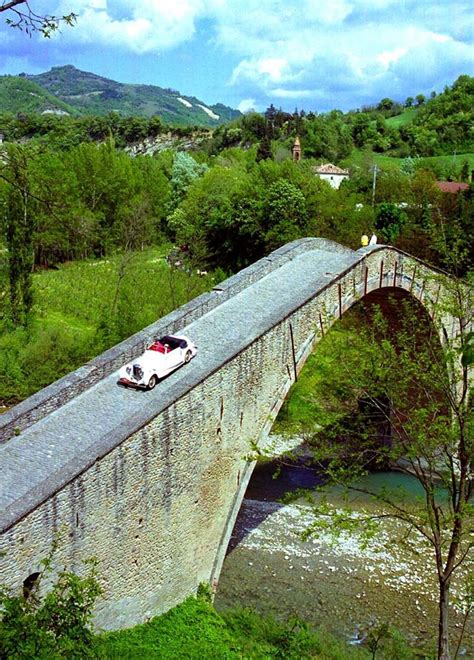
point(195, 630)
point(55, 625)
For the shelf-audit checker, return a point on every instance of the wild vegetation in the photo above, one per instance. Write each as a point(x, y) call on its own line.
point(58, 624)
point(195, 630)
point(379, 393)
point(88, 256)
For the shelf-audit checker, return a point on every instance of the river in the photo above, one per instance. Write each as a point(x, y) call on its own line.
point(342, 584)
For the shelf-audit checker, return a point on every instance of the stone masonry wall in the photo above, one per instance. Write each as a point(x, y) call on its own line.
point(63, 390)
point(157, 511)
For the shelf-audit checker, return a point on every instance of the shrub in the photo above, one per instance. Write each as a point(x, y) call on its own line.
point(51, 625)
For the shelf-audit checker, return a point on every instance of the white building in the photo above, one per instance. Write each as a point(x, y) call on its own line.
point(329, 172)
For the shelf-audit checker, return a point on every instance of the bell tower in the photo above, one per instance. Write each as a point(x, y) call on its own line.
point(296, 150)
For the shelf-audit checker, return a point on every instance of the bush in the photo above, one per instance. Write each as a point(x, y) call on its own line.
point(54, 625)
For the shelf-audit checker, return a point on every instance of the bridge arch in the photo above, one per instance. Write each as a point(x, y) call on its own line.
point(150, 483)
point(390, 298)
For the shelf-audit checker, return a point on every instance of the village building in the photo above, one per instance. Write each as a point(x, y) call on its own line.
point(296, 150)
point(328, 172)
point(331, 173)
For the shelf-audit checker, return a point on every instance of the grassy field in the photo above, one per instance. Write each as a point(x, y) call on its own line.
point(83, 294)
point(358, 158)
point(195, 630)
point(305, 405)
point(84, 307)
point(407, 116)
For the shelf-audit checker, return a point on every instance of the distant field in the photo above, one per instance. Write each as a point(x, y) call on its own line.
point(406, 117)
point(358, 158)
point(457, 159)
point(83, 308)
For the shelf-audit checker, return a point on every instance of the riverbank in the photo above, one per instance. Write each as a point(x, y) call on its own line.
point(195, 630)
point(342, 584)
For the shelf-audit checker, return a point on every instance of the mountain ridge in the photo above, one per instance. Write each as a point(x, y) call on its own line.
point(86, 93)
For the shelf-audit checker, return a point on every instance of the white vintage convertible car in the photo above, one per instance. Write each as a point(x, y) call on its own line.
point(160, 358)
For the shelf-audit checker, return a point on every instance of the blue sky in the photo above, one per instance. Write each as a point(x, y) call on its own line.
point(311, 54)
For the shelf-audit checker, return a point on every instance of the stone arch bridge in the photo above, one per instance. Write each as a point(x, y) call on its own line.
point(150, 483)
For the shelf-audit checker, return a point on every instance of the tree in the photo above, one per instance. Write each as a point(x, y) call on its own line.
point(185, 171)
point(402, 398)
point(409, 102)
point(285, 214)
point(54, 625)
point(385, 104)
point(264, 150)
point(389, 221)
point(420, 99)
point(19, 225)
point(25, 18)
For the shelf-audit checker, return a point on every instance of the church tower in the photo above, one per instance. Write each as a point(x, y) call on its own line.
point(296, 150)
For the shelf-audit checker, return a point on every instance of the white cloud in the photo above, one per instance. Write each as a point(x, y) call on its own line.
point(389, 56)
point(326, 13)
point(266, 69)
point(357, 44)
point(288, 48)
point(281, 93)
point(140, 26)
point(246, 104)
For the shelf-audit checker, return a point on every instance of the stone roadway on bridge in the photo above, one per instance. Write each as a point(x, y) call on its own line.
point(47, 455)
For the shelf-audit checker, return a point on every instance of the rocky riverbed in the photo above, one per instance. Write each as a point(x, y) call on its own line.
point(343, 584)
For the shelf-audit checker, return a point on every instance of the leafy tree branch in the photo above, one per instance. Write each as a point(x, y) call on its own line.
point(25, 18)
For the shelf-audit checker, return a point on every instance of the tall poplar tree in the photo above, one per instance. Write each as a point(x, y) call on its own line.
point(19, 231)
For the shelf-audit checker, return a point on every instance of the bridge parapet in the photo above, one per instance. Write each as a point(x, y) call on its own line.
point(57, 394)
point(150, 482)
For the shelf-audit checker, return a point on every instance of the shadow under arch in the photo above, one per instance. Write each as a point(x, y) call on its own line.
point(397, 305)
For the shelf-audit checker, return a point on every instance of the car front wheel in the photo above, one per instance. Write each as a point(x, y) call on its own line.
point(188, 356)
point(152, 382)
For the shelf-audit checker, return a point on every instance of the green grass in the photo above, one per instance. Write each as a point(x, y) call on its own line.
point(84, 308)
point(306, 405)
point(142, 288)
point(359, 158)
point(452, 159)
point(195, 630)
point(407, 116)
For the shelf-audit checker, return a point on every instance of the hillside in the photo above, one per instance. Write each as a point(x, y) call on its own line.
point(20, 95)
point(406, 117)
point(90, 94)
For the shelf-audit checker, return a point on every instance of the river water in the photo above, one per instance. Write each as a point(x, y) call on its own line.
point(342, 584)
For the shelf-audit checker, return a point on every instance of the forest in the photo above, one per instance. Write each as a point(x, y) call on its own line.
point(96, 243)
point(72, 196)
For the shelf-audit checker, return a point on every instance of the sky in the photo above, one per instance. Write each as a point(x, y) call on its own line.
point(310, 54)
